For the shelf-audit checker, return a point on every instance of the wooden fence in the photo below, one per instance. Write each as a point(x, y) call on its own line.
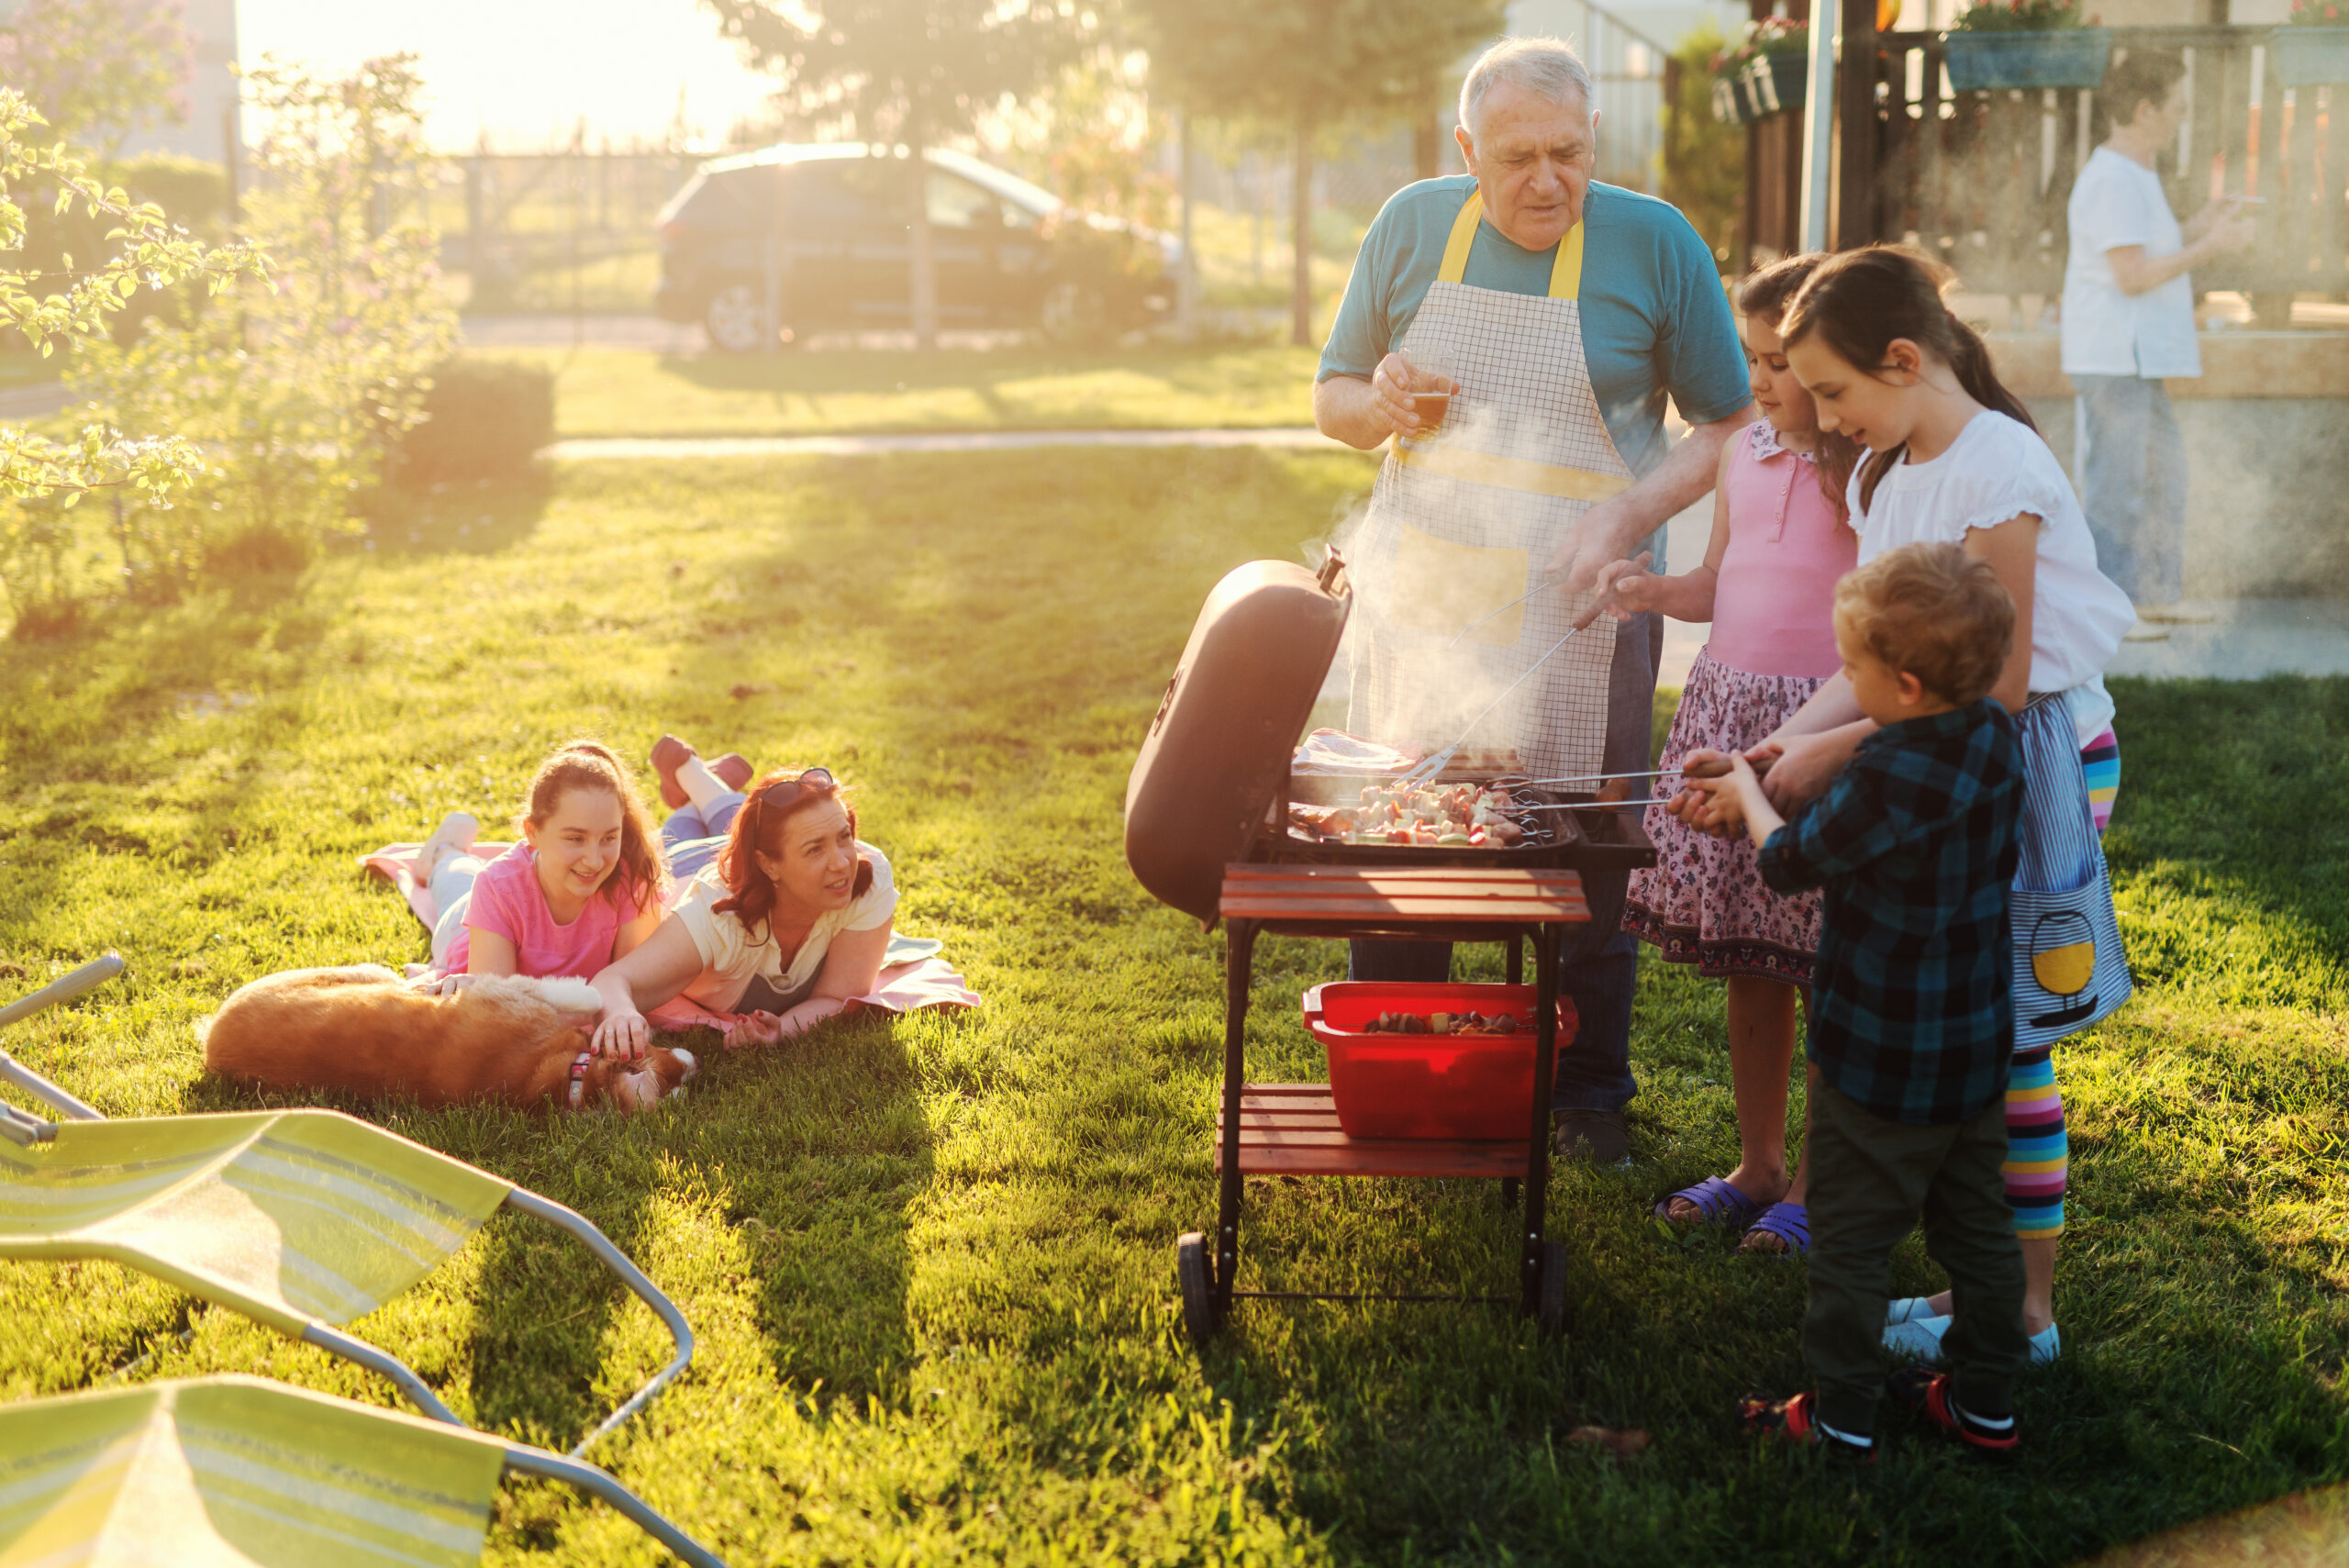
point(1981, 178)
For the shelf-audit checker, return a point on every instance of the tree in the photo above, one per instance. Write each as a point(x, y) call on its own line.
point(298, 395)
point(1309, 66)
point(909, 72)
point(98, 70)
point(1704, 160)
point(72, 306)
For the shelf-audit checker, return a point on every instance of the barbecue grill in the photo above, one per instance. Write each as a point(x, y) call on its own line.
point(1208, 832)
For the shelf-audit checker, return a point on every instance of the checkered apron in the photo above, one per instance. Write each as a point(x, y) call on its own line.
point(1462, 521)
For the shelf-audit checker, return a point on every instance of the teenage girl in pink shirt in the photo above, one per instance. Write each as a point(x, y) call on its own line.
point(583, 887)
point(1767, 585)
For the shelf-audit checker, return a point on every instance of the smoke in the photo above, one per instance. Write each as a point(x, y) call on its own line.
point(1440, 658)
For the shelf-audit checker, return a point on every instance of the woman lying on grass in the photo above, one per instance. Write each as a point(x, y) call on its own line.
point(791, 922)
point(581, 889)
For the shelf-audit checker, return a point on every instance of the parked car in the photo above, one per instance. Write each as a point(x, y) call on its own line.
point(797, 238)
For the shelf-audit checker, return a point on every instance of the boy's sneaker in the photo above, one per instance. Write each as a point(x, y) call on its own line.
point(1796, 1421)
point(1927, 1393)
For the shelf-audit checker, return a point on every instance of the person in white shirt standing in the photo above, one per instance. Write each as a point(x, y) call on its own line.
point(2129, 322)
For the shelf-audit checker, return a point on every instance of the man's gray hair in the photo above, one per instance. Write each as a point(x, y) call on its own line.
point(1543, 65)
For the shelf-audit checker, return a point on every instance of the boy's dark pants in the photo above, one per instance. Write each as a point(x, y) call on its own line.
point(1870, 1180)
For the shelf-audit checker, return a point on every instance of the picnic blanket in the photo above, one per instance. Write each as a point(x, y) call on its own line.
point(912, 977)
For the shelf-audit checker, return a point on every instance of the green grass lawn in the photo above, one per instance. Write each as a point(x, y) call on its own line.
point(931, 1262)
point(620, 392)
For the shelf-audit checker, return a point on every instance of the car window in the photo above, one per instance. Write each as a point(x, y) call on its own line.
point(850, 192)
point(955, 203)
point(1018, 217)
point(734, 199)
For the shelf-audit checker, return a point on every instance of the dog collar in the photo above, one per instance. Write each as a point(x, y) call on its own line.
point(579, 1077)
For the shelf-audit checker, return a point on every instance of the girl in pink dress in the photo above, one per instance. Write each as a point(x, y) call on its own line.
point(1767, 585)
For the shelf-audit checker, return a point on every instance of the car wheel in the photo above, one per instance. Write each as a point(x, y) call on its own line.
point(736, 319)
point(1076, 313)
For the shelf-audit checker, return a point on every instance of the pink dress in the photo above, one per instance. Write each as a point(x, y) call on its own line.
point(1773, 645)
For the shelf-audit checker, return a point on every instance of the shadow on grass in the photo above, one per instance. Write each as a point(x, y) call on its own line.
point(482, 517)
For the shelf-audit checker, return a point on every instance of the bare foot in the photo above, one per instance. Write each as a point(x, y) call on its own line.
point(1682, 1211)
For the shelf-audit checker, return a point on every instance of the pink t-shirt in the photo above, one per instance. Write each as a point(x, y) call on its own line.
point(509, 901)
point(1773, 608)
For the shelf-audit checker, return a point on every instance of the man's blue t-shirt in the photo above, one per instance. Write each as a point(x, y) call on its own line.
point(1654, 321)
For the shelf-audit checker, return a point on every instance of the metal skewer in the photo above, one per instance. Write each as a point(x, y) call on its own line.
point(1703, 771)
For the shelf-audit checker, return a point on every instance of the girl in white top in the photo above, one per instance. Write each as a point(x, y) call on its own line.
point(1954, 457)
point(792, 922)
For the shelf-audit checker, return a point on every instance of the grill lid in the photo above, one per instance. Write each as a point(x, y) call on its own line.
point(1217, 753)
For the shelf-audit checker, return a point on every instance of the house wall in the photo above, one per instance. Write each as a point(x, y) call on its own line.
point(2266, 466)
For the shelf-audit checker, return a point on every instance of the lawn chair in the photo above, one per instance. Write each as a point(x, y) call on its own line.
point(301, 1219)
point(223, 1471)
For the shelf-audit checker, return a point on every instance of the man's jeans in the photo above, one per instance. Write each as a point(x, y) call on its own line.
point(2133, 485)
point(1601, 968)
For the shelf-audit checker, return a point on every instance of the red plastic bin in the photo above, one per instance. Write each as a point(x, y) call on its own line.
point(1422, 1085)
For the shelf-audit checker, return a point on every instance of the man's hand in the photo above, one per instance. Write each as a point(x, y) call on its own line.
point(1607, 531)
point(1392, 384)
point(1364, 414)
point(1597, 541)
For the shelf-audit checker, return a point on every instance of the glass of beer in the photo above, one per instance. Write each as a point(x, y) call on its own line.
point(1431, 385)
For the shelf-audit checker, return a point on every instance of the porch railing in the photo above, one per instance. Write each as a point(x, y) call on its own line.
point(1981, 178)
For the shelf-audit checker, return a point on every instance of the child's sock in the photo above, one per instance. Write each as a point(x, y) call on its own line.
point(701, 787)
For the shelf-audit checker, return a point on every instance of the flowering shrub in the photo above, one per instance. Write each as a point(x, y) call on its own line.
point(298, 395)
point(2022, 16)
point(1769, 39)
point(98, 70)
point(2319, 13)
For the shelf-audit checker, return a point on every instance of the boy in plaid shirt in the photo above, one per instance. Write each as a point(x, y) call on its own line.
point(1911, 1018)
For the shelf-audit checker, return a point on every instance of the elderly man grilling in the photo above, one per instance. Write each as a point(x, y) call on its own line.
point(1560, 313)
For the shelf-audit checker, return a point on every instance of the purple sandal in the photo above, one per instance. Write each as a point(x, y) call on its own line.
point(1790, 1223)
point(1718, 1203)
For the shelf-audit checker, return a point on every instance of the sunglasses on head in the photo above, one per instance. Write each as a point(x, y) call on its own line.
point(784, 790)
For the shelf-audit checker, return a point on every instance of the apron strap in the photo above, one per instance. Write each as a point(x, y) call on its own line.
point(1566, 273)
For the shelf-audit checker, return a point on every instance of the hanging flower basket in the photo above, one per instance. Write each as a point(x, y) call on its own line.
point(2310, 57)
point(1765, 87)
point(1767, 73)
point(2072, 57)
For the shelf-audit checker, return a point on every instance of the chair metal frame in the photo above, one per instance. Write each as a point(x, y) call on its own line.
point(23, 1128)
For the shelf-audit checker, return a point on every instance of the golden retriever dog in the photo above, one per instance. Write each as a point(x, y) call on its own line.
point(365, 1030)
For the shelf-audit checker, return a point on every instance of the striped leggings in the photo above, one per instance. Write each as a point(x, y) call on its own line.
point(2038, 1154)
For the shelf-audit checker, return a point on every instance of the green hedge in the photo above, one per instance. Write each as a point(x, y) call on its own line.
point(482, 419)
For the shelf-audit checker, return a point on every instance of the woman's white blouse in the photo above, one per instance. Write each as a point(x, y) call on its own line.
point(1998, 469)
point(736, 954)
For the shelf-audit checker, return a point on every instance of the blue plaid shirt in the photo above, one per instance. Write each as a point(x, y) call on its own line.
point(1912, 1005)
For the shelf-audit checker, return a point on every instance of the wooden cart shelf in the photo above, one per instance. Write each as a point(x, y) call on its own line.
point(1292, 1129)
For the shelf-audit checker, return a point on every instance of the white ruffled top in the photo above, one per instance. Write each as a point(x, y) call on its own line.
point(1996, 468)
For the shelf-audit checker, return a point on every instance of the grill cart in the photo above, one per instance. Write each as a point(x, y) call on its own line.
point(1208, 830)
